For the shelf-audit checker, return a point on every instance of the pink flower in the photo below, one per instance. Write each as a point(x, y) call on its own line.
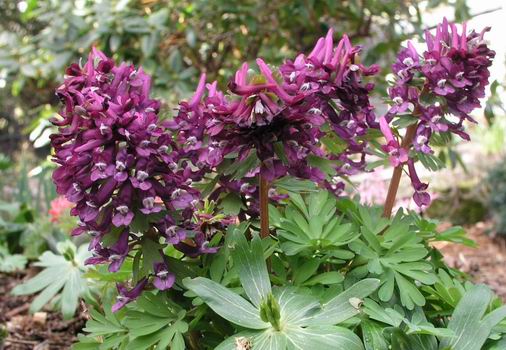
point(60, 206)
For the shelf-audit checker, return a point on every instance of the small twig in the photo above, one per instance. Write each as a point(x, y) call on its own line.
point(21, 341)
point(18, 310)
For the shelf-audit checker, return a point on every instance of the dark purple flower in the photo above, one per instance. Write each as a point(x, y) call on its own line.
point(407, 62)
point(404, 99)
point(115, 255)
point(421, 197)
point(163, 279)
point(126, 296)
point(117, 160)
point(199, 246)
point(422, 137)
point(397, 154)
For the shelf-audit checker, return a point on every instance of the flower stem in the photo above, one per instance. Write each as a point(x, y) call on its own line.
point(396, 176)
point(264, 207)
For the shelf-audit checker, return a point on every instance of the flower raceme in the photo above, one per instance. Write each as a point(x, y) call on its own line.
point(118, 163)
point(280, 115)
point(440, 88)
point(455, 68)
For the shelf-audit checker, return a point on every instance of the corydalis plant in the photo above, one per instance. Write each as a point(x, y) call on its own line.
point(439, 88)
point(278, 122)
point(119, 165)
point(284, 107)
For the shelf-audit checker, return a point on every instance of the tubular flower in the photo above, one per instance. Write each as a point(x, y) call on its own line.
point(452, 73)
point(126, 296)
point(454, 68)
point(398, 155)
point(332, 83)
point(261, 116)
point(118, 162)
point(421, 196)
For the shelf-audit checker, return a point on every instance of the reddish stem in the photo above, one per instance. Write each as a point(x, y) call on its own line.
point(264, 207)
point(396, 176)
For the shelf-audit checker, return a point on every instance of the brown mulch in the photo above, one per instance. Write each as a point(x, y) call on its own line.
point(45, 330)
point(486, 263)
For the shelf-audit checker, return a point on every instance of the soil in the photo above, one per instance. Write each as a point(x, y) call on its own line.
point(48, 331)
point(486, 263)
point(45, 330)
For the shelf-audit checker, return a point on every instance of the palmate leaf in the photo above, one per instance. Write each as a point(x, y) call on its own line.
point(397, 256)
point(253, 272)
point(285, 319)
point(340, 308)
point(471, 324)
point(311, 224)
point(322, 338)
point(11, 262)
point(152, 321)
point(372, 334)
point(226, 303)
point(446, 292)
point(295, 338)
point(105, 331)
point(296, 309)
point(63, 276)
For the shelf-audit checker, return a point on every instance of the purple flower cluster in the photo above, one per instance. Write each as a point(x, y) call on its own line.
point(451, 75)
point(279, 114)
point(258, 116)
point(119, 164)
point(332, 85)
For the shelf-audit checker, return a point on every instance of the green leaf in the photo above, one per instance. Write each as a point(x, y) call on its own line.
point(149, 43)
point(249, 258)
point(231, 204)
point(372, 335)
point(430, 161)
point(409, 293)
point(326, 278)
point(340, 308)
point(11, 263)
point(309, 224)
point(225, 303)
point(404, 121)
point(296, 309)
point(469, 322)
point(152, 320)
point(303, 272)
point(293, 185)
point(322, 338)
point(63, 273)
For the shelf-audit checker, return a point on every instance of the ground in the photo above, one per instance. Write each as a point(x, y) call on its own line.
point(486, 264)
point(42, 331)
point(47, 330)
